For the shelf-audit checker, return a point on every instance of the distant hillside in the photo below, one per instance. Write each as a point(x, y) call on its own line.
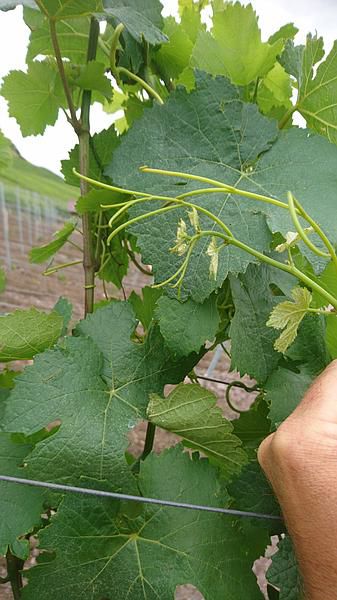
point(15, 171)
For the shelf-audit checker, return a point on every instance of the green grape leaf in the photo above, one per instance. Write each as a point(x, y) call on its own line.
point(309, 348)
point(186, 326)
point(285, 390)
point(227, 135)
point(64, 308)
point(102, 147)
point(92, 77)
point(72, 37)
point(69, 9)
point(190, 411)
point(288, 315)
point(21, 506)
point(328, 280)
point(97, 385)
point(252, 346)
point(141, 18)
point(115, 263)
point(316, 93)
point(275, 90)
point(41, 254)
point(237, 46)
point(283, 572)
point(25, 333)
point(96, 200)
point(162, 548)
point(286, 32)
point(172, 58)
point(144, 305)
point(6, 152)
point(252, 492)
point(7, 382)
point(34, 98)
point(291, 59)
point(252, 427)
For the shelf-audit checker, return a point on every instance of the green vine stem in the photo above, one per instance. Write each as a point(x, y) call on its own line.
point(301, 231)
point(84, 146)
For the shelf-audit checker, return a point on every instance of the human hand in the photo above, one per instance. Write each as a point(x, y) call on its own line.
point(300, 460)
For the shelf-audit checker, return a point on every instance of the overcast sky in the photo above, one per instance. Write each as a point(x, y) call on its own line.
point(47, 151)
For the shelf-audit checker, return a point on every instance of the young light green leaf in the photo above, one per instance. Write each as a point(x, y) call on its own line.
point(41, 254)
point(190, 411)
point(240, 50)
point(275, 90)
point(182, 239)
point(213, 252)
point(288, 315)
point(34, 98)
point(95, 551)
point(25, 333)
point(186, 326)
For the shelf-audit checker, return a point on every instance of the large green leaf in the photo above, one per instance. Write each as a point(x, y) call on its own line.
point(316, 96)
point(284, 391)
point(69, 9)
point(186, 326)
point(97, 386)
point(21, 506)
point(284, 573)
point(238, 50)
point(190, 411)
point(142, 18)
point(210, 132)
point(252, 347)
point(101, 556)
point(34, 98)
point(252, 492)
point(41, 254)
point(25, 333)
point(72, 37)
point(252, 427)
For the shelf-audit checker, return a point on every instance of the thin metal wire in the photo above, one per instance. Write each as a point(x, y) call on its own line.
point(103, 494)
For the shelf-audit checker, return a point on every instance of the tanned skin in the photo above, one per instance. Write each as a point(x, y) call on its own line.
point(300, 460)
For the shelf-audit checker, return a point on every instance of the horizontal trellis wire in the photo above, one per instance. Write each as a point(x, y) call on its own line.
point(117, 496)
